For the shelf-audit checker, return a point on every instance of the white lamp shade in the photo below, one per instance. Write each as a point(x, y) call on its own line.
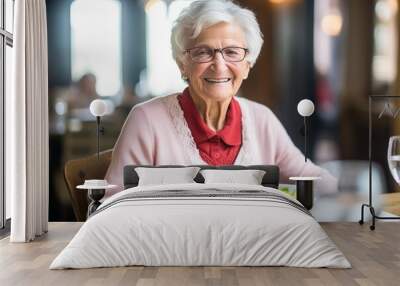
point(98, 107)
point(305, 107)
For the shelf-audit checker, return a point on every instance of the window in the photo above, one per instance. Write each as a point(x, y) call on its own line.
point(328, 24)
point(6, 43)
point(163, 74)
point(96, 43)
point(385, 46)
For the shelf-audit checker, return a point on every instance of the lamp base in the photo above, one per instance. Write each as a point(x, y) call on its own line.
point(95, 195)
point(305, 190)
point(305, 193)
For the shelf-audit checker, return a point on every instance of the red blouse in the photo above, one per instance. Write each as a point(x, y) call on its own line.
point(216, 148)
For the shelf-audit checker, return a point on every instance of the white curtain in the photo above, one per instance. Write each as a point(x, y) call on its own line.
point(27, 124)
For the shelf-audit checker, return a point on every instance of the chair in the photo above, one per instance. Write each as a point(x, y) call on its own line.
point(77, 171)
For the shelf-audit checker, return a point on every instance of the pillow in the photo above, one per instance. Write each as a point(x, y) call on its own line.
point(161, 176)
point(249, 177)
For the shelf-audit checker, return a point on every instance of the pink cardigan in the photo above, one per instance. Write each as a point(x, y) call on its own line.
point(156, 133)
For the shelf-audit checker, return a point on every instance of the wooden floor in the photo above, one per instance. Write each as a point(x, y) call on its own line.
point(391, 203)
point(374, 255)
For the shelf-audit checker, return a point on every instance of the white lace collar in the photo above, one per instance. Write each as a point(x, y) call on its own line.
point(185, 136)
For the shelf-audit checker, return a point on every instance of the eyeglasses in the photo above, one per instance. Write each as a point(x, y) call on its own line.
point(206, 54)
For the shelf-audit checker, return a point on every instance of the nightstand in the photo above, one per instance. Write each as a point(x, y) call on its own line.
point(96, 191)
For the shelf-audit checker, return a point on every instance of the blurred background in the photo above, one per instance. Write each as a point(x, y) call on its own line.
point(335, 52)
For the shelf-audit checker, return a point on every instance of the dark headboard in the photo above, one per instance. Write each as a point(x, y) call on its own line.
point(270, 179)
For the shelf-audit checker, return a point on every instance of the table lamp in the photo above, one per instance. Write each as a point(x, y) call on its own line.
point(305, 108)
point(98, 108)
point(304, 185)
point(96, 187)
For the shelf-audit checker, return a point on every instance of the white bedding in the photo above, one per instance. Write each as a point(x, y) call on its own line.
point(181, 231)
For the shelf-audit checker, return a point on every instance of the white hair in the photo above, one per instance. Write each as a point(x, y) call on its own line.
point(202, 14)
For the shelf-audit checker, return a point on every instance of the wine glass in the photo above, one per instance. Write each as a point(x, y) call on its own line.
point(393, 157)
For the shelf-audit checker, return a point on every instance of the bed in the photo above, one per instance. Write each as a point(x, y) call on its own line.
point(201, 223)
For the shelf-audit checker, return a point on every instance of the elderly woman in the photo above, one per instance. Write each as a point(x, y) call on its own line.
point(215, 43)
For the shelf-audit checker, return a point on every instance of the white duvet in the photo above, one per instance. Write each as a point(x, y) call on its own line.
point(183, 231)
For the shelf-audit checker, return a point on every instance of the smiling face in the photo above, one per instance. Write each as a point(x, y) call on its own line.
point(217, 80)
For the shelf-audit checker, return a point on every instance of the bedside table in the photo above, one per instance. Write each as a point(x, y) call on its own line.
point(96, 191)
